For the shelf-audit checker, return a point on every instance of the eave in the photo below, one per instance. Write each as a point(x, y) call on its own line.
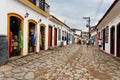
point(34, 7)
point(56, 20)
point(111, 13)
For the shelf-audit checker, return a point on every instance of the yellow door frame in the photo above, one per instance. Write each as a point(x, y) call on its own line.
point(34, 22)
point(8, 27)
point(44, 34)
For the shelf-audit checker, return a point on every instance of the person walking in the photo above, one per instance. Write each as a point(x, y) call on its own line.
point(92, 42)
point(87, 42)
point(100, 43)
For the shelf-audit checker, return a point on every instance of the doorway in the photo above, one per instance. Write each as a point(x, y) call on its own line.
point(55, 37)
point(50, 37)
point(67, 40)
point(32, 37)
point(15, 37)
point(112, 40)
point(118, 40)
point(103, 39)
point(42, 37)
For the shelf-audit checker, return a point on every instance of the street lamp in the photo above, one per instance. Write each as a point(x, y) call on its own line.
point(88, 25)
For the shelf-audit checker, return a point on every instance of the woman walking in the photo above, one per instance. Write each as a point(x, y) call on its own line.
point(99, 43)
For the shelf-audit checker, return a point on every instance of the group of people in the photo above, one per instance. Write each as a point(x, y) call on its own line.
point(91, 42)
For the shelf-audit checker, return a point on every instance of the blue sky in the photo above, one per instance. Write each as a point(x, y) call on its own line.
point(72, 11)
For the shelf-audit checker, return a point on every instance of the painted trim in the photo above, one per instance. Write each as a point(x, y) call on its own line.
point(36, 8)
point(34, 22)
point(8, 28)
point(44, 34)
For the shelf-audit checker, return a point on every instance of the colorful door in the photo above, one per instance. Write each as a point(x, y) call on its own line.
point(112, 40)
point(49, 36)
point(55, 37)
point(98, 37)
point(118, 40)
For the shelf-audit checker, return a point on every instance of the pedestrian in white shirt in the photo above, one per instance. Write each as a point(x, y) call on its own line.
point(100, 43)
point(87, 42)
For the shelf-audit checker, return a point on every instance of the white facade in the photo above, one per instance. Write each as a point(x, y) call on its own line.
point(109, 29)
point(114, 22)
point(20, 8)
point(57, 26)
point(65, 34)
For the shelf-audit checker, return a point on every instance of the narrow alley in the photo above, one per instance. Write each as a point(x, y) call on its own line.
point(71, 62)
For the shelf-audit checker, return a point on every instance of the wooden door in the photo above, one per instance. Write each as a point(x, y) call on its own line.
point(118, 40)
point(55, 37)
point(104, 39)
point(49, 36)
point(112, 40)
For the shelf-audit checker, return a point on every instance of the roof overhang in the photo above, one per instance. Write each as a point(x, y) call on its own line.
point(34, 7)
point(111, 13)
point(56, 20)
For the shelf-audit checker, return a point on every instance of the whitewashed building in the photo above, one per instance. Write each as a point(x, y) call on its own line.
point(109, 30)
point(27, 24)
point(77, 35)
point(67, 34)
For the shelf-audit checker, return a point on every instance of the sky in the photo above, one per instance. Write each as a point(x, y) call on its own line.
point(72, 12)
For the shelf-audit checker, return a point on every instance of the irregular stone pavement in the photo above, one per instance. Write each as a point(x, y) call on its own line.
point(71, 62)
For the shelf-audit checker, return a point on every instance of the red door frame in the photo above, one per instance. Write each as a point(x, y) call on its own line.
point(49, 36)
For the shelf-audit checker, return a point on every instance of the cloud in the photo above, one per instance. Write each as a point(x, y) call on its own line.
point(72, 12)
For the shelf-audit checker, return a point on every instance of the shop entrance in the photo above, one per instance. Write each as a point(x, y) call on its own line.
point(42, 38)
point(32, 38)
point(15, 37)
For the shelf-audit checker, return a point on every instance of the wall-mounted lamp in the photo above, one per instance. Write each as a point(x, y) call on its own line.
point(53, 25)
point(40, 20)
point(26, 14)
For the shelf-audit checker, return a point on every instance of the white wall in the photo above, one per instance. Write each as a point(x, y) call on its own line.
point(3, 18)
point(113, 22)
point(78, 32)
point(66, 30)
point(14, 6)
point(57, 26)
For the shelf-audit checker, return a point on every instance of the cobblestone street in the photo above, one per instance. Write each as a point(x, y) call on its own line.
point(71, 62)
